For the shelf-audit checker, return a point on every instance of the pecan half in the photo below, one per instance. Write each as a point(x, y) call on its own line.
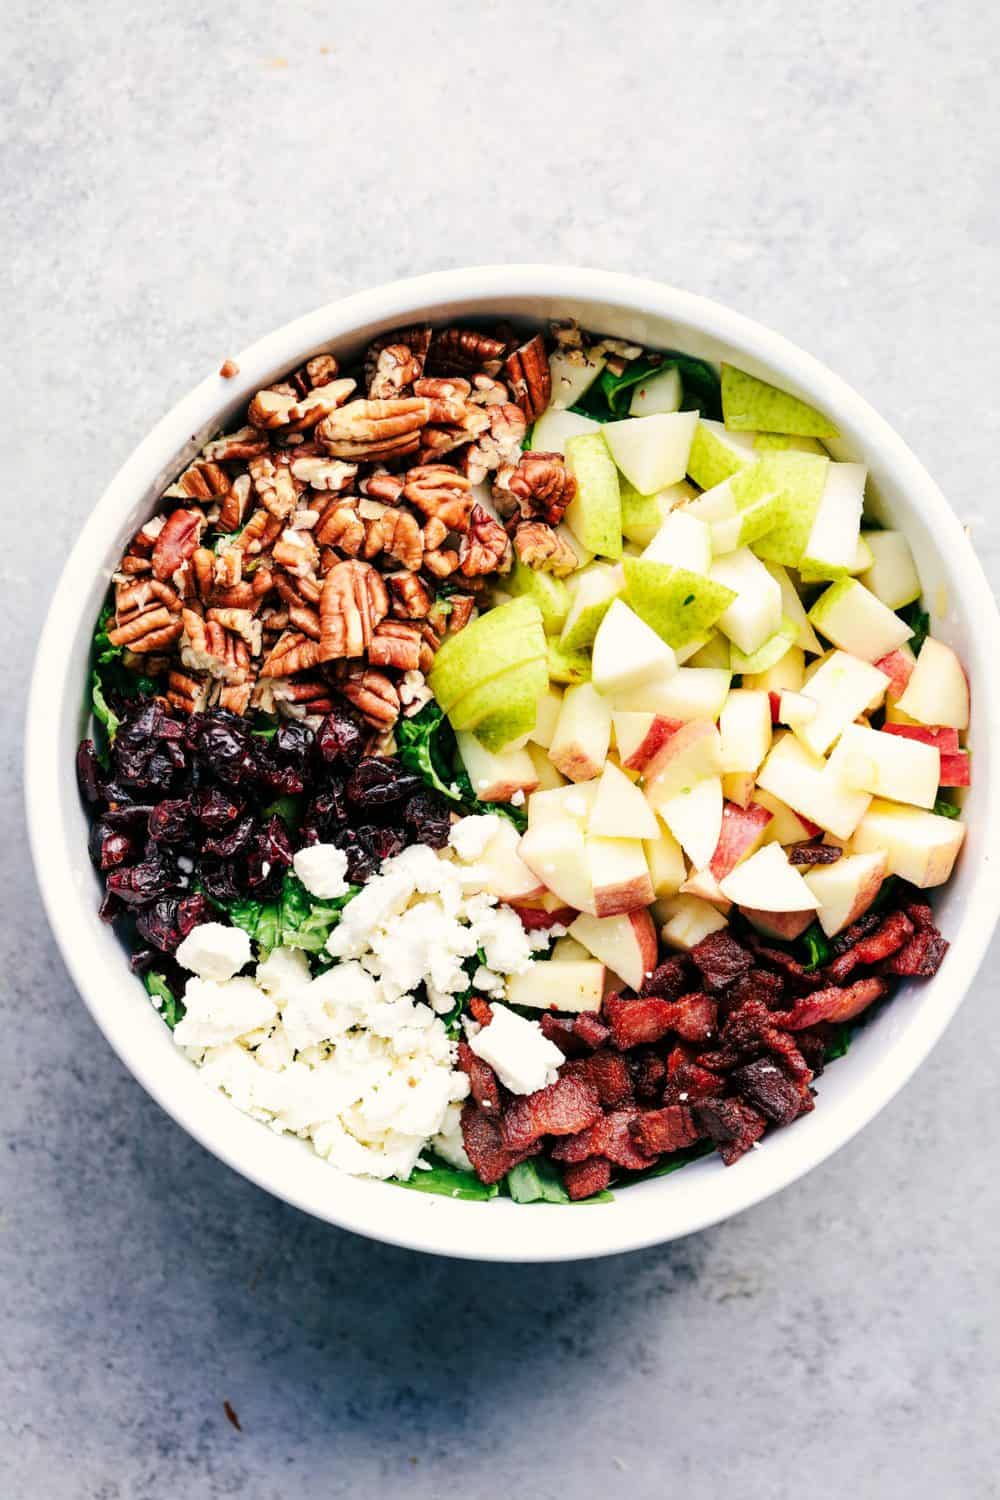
point(274, 485)
point(275, 408)
point(187, 692)
point(541, 484)
point(543, 549)
point(396, 643)
point(456, 351)
point(375, 429)
point(150, 630)
point(486, 548)
point(527, 370)
point(353, 602)
point(415, 341)
point(326, 474)
point(397, 534)
point(139, 594)
point(440, 493)
point(297, 552)
point(234, 504)
point(260, 532)
point(461, 612)
point(500, 445)
point(386, 488)
point(373, 695)
point(176, 542)
point(245, 444)
point(292, 652)
point(203, 480)
point(242, 623)
point(235, 697)
point(206, 646)
point(411, 598)
point(396, 368)
point(295, 698)
point(441, 562)
point(340, 526)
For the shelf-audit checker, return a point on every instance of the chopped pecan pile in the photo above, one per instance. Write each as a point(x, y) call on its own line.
point(720, 1046)
point(306, 556)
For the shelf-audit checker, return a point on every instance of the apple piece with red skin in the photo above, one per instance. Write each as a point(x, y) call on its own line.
point(743, 830)
point(945, 740)
point(703, 883)
point(690, 755)
point(619, 809)
point(538, 915)
point(556, 853)
point(503, 871)
point(938, 689)
point(582, 734)
point(571, 987)
point(688, 919)
point(788, 827)
point(898, 667)
point(956, 768)
point(846, 889)
point(768, 882)
point(738, 787)
point(786, 926)
point(640, 736)
point(618, 873)
point(496, 775)
point(626, 944)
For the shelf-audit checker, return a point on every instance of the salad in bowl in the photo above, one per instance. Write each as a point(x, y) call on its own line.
point(521, 760)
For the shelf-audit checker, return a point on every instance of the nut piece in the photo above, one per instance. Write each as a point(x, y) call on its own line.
point(543, 549)
point(397, 534)
point(176, 542)
point(411, 598)
point(461, 612)
point(326, 474)
point(486, 548)
point(458, 351)
point(234, 504)
point(497, 447)
point(527, 370)
point(284, 407)
point(541, 484)
point(415, 341)
point(375, 429)
point(274, 485)
point(292, 652)
point(373, 695)
point(396, 368)
point(232, 446)
point(396, 643)
point(297, 552)
point(340, 526)
point(440, 493)
point(201, 481)
point(206, 646)
point(187, 692)
point(353, 602)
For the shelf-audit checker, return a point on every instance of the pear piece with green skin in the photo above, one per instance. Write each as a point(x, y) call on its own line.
point(717, 454)
point(737, 512)
point(769, 654)
point(800, 478)
point(716, 652)
point(852, 618)
point(591, 595)
point(679, 605)
point(793, 609)
point(497, 641)
point(752, 405)
point(554, 427)
point(652, 452)
point(832, 548)
point(892, 574)
point(595, 512)
point(548, 592)
point(643, 515)
point(570, 667)
point(683, 541)
point(755, 613)
point(505, 707)
point(784, 441)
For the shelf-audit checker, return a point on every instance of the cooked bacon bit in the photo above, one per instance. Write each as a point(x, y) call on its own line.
point(690, 1081)
point(857, 930)
point(833, 1004)
point(590, 1029)
point(483, 1083)
point(563, 1033)
point(668, 1129)
point(648, 1072)
point(668, 980)
point(648, 1018)
point(814, 854)
point(921, 957)
point(585, 1178)
point(562, 1108)
point(731, 1124)
point(721, 959)
point(878, 945)
point(785, 963)
point(608, 1071)
point(484, 1147)
point(763, 1084)
point(480, 1010)
point(610, 1137)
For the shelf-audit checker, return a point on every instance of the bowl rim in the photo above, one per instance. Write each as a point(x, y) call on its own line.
point(413, 1224)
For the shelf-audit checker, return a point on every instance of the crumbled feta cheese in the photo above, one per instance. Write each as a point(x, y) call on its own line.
point(470, 837)
point(322, 869)
point(523, 1059)
point(214, 951)
point(219, 1011)
point(448, 1143)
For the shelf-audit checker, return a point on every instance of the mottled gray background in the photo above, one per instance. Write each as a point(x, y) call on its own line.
point(179, 178)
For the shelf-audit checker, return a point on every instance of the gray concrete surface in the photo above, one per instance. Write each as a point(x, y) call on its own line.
point(178, 178)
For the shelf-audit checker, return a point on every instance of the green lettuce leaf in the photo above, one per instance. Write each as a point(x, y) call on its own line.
point(295, 920)
point(170, 1007)
point(426, 744)
point(816, 946)
point(919, 622)
point(945, 808)
point(609, 397)
point(447, 1182)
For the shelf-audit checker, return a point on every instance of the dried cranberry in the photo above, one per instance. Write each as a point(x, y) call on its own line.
point(148, 749)
point(428, 820)
point(168, 921)
point(380, 782)
point(292, 743)
point(282, 781)
point(225, 845)
point(339, 740)
point(109, 847)
point(383, 842)
point(144, 959)
point(215, 809)
point(88, 772)
point(222, 744)
point(152, 877)
point(324, 815)
point(170, 820)
point(222, 880)
point(110, 907)
point(132, 815)
point(269, 857)
point(361, 861)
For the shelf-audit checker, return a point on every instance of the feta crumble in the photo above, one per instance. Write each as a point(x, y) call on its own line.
point(523, 1058)
point(322, 869)
point(214, 951)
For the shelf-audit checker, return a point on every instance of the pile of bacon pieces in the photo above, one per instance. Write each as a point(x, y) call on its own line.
point(719, 1046)
point(323, 549)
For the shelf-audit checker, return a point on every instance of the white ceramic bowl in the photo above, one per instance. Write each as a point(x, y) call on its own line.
point(882, 1057)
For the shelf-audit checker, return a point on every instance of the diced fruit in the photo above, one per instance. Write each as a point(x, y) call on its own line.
point(625, 944)
point(956, 769)
point(504, 708)
point(767, 882)
point(714, 653)
point(800, 478)
point(573, 371)
point(938, 690)
point(583, 554)
point(736, 512)
point(716, 454)
point(688, 919)
point(704, 884)
point(804, 781)
point(738, 787)
point(787, 674)
point(841, 688)
point(496, 775)
point(845, 890)
point(554, 427)
point(592, 593)
point(786, 442)
point(569, 986)
point(694, 817)
point(665, 858)
point(832, 548)
point(619, 809)
point(797, 710)
point(920, 847)
point(643, 515)
point(567, 667)
point(683, 541)
point(679, 605)
point(595, 512)
point(559, 804)
point(892, 575)
point(786, 926)
point(548, 592)
point(661, 392)
point(745, 730)
point(898, 667)
point(693, 752)
point(786, 827)
point(502, 638)
point(543, 912)
point(627, 652)
point(793, 609)
point(568, 950)
point(546, 773)
point(690, 693)
point(582, 734)
point(852, 618)
point(887, 766)
point(556, 852)
point(743, 831)
point(750, 404)
point(638, 737)
point(774, 649)
point(504, 872)
point(619, 875)
point(549, 705)
point(652, 452)
point(755, 613)
point(945, 740)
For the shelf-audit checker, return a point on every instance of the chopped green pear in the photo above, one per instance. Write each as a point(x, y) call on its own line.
point(784, 441)
point(714, 653)
point(501, 639)
point(767, 655)
point(681, 606)
point(832, 547)
point(572, 667)
point(595, 512)
point(736, 512)
point(752, 405)
point(800, 477)
point(652, 452)
point(573, 371)
point(717, 454)
point(643, 515)
point(554, 426)
point(548, 592)
point(662, 392)
point(683, 541)
point(505, 708)
point(755, 612)
point(852, 618)
point(793, 609)
point(590, 599)
point(892, 574)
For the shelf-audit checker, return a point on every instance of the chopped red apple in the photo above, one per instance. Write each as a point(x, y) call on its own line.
point(619, 809)
point(689, 693)
point(938, 690)
point(886, 765)
point(547, 776)
point(504, 872)
point(920, 846)
point(744, 730)
point(743, 830)
point(496, 775)
point(556, 853)
point(786, 827)
point(567, 986)
point(898, 667)
point(639, 736)
point(786, 926)
point(841, 688)
point(694, 817)
point(956, 769)
point(542, 912)
point(944, 740)
point(665, 859)
point(553, 805)
point(582, 734)
point(690, 755)
point(688, 919)
point(806, 784)
point(767, 882)
point(738, 787)
point(618, 874)
point(704, 884)
point(845, 890)
point(626, 944)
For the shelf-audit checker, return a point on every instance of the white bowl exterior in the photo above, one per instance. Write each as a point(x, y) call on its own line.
point(883, 1055)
